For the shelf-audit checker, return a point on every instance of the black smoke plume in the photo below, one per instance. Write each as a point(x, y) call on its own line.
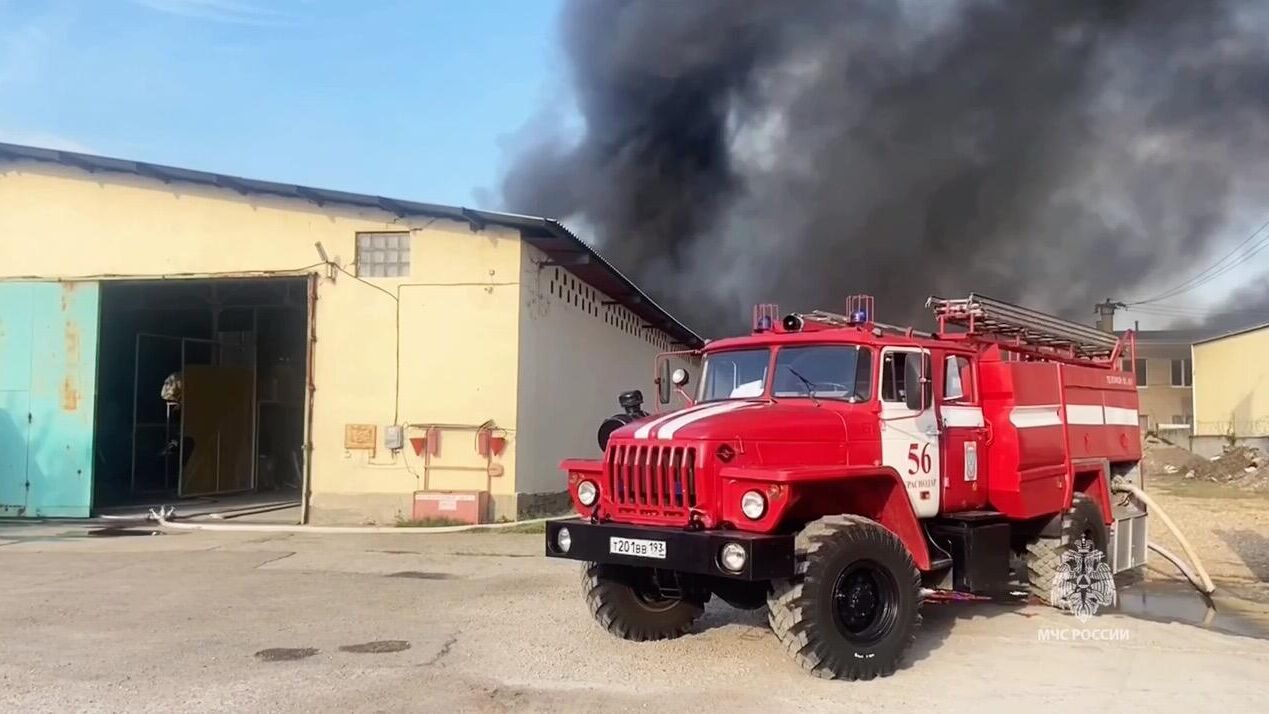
point(1053, 152)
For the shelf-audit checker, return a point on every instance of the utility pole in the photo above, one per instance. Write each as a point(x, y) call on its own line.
point(1105, 312)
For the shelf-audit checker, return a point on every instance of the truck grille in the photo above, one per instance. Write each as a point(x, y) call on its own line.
point(652, 478)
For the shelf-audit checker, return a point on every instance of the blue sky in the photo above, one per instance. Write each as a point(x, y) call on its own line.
point(420, 100)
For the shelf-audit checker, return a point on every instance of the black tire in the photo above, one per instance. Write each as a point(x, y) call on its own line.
point(626, 604)
point(854, 606)
point(1044, 555)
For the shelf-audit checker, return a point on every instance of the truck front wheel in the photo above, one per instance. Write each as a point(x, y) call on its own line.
point(853, 607)
point(627, 602)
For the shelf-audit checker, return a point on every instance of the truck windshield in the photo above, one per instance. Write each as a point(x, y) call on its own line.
point(735, 375)
point(824, 372)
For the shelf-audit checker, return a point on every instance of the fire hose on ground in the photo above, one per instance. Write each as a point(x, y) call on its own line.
point(1197, 575)
point(161, 516)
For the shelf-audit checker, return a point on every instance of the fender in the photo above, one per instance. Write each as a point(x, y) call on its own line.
point(810, 492)
point(587, 466)
point(1089, 479)
point(577, 469)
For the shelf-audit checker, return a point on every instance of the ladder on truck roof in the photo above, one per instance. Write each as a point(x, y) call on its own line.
point(1016, 326)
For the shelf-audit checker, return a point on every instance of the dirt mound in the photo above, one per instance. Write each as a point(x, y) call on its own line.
point(1240, 466)
point(1160, 457)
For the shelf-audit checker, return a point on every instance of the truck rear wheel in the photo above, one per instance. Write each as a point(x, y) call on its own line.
point(1044, 555)
point(853, 607)
point(627, 603)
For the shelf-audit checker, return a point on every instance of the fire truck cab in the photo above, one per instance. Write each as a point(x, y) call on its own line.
point(837, 470)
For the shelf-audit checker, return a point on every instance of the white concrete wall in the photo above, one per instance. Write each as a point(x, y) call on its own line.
point(576, 356)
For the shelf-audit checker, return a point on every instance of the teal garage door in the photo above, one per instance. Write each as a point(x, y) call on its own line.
point(48, 382)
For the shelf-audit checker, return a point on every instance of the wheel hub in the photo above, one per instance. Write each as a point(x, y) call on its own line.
point(864, 600)
point(859, 601)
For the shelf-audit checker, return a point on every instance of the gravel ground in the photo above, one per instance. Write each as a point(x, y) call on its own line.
point(410, 622)
point(1227, 525)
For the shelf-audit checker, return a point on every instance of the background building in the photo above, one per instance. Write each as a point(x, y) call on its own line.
point(1164, 373)
point(303, 326)
point(1231, 390)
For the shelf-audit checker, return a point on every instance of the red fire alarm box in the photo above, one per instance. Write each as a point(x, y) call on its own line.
point(465, 506)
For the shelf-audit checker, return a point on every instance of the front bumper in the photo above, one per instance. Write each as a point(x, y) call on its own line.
point(768, 556)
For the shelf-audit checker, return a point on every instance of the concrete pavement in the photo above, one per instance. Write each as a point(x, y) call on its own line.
point(478, 622)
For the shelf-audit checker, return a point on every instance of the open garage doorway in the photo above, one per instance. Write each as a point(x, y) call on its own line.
point(202, 395)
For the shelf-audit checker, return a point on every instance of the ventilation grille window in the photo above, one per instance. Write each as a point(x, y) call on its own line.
point(566, 288)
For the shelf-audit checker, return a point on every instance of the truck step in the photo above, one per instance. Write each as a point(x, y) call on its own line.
point(973, 516)
point(937, 564)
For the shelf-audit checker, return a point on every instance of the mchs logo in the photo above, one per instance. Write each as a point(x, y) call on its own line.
point(1083, 582)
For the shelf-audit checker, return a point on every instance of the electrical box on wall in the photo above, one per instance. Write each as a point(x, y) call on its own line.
point(394, 437)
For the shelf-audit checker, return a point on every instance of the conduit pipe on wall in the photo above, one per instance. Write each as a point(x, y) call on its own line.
point(162, 515)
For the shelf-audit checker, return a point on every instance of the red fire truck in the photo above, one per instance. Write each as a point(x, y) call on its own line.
point(837, 470)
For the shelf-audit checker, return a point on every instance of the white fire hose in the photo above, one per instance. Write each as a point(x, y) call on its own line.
point(1202, 582)
point(161, 516)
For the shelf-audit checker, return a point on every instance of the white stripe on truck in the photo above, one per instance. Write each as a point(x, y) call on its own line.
point(1084, 414)
point(1032, 417)
point(1119, 416)
point(645, 431)
point(667, 431)
point(963, 416)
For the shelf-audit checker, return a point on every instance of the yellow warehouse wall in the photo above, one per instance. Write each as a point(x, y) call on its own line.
point(458, 330)
point(1231, 385)
point(576, 356)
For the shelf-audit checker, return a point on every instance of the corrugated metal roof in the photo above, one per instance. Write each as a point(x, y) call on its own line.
point(1233, 333)
point(548, 235)
point(1168, 337)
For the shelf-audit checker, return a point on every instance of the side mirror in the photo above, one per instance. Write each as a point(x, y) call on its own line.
point(665, 389)
point(679, 377)
point(913, 383)
point(917, 385)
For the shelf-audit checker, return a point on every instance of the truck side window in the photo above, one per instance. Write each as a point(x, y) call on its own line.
point(893, 368)
point(957, 379)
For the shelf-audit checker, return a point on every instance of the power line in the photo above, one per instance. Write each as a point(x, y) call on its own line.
point(1214, 270)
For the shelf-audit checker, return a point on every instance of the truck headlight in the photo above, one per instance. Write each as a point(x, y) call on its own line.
point(587, 493)
point(732, 557)
point(753, 504)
